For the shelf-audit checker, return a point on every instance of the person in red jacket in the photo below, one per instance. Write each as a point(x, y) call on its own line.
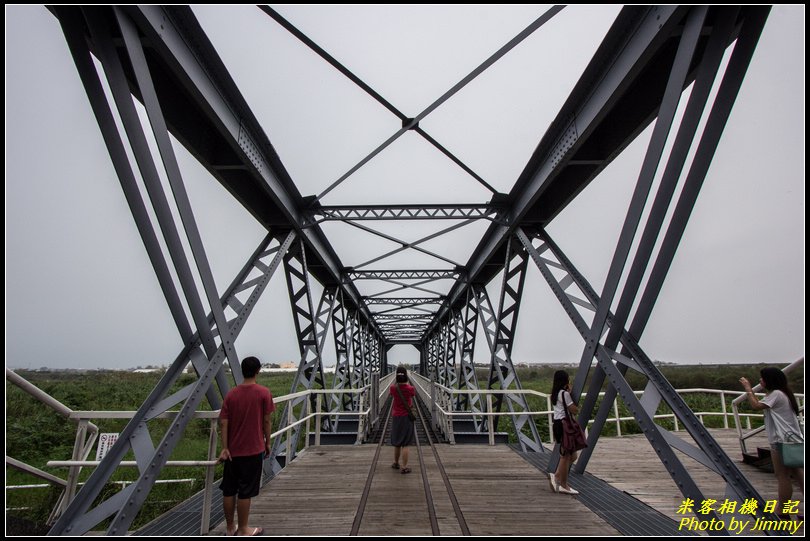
point(246, 422)
point(401, 424)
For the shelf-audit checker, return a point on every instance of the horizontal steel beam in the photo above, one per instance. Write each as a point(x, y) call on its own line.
point(435, 274)
point(401, 317)
point(402, 212)
point(403, 301)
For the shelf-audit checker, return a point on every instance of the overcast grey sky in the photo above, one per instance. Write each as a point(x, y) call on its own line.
point(80, 291)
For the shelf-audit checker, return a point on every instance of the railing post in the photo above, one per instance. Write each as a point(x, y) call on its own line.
point(288, 449)
point(490, 426)
point(723, 407)
point(618, 419)
point(73, 472)
point(205, 524)
point(451, 436)
point(433, 403)
point(306, 425)
point(318, 398)
point(361, 421)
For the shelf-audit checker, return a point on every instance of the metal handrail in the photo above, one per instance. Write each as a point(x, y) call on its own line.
point(744, 437)
point(447, 413)
point(83, 418)
point(81, 448)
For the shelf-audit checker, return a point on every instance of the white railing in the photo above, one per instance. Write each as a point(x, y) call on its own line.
point(735, 404)
point(369, 403)
point(86, 434)
point(442, 400)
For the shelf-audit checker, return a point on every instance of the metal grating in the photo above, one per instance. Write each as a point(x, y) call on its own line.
point(619, 509)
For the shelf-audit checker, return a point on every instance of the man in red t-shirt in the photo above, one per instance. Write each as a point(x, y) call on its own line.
point(246, 422)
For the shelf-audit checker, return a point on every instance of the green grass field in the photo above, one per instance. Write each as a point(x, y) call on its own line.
point(35, 434)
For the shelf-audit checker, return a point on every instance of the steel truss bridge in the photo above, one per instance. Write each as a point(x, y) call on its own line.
point(161, 57)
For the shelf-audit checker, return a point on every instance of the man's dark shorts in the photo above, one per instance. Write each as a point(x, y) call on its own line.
point(243, 474)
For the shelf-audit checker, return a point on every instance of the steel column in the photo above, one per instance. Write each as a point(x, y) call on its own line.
point(500, 331)
point(469, 380)
point(707, 72)
point(708, 452)
point(78, 518)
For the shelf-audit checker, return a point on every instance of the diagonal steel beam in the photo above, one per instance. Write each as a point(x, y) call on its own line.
point(370, 91)
point(412, 123)
point(706, 450)
point(311, 330)
point(405, 245)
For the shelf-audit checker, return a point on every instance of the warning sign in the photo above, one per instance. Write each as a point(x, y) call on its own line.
point(105, 443)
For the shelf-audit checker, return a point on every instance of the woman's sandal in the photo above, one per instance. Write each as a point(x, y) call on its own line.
point(395, 465)
point(405, 470)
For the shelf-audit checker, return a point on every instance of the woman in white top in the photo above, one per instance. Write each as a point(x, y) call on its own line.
point(779, 400)
point(560, 399)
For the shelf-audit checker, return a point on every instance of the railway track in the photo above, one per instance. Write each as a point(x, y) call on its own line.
point(427, 453)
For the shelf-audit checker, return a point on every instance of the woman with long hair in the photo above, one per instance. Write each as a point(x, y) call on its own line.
point(561, 400)
point(779, 400)
point(401, 425)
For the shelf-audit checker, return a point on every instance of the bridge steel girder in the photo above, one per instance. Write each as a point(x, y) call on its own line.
point(453, 326)
point(148, 53)
point(499, 330)
point(202, 98)
point(340, 325)
point(434, 274)
point(618, 95)
point(400, 212)
point(311, 329)
point(707, 451)
point(469, 380)
point(76, 23)
point(357, 356)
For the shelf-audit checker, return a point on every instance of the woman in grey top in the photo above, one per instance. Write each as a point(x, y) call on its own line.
point(779, 400)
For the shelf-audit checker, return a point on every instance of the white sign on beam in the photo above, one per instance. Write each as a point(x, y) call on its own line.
point(105, 443)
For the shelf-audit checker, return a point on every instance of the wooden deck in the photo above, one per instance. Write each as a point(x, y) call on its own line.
point(498, 493)
point(630, 464)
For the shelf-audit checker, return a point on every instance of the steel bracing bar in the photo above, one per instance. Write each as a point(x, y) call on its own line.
point(357, 367)
point(452, 347)
point(677, 79)
point(118, 85)
point(402, 317)
point(401, 212)
point(437, 274)
point(311, 329)
point(406, 286)
point(469, 380)
point(371, 92)
point(340, 322)
point(637, 35)
point(499, 329)
point(205, 100)
point(78, 518)
point(404, 301)
point(151, 459)
point(698, 98)
point(411, 123)
point(547, 256)
point(406, 245)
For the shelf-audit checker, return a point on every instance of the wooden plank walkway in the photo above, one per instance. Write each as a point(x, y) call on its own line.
point(630, 464)
point(498, 493)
